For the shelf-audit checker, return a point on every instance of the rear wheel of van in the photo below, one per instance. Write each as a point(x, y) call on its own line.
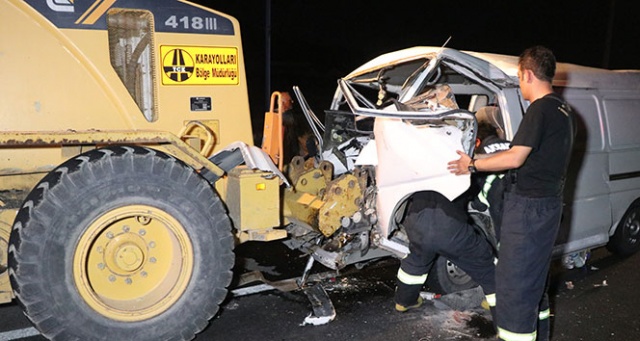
point(445, 278)
point(121, 243)
point(626, 240)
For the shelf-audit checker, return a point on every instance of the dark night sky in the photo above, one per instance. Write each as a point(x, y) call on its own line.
point(313, 43)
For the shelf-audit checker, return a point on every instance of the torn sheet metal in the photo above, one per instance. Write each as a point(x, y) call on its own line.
point(285, 285)
point(257, 276)
point(344, 157)
point(323, 310)
point(256, 158)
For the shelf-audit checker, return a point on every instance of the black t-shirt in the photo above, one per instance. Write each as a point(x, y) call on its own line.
point(548, 128)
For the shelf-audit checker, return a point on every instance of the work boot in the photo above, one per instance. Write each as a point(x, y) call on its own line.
point(485, 304)
point(407, 296)
point(402, 309)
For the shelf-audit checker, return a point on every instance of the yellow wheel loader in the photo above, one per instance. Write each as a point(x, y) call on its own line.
point(109, 110)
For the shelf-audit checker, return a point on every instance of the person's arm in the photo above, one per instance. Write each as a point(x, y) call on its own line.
point(508, 159)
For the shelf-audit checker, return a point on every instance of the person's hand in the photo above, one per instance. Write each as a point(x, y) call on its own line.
point(460, 166)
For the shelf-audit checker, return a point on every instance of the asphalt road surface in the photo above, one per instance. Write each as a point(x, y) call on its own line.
point(597, 302)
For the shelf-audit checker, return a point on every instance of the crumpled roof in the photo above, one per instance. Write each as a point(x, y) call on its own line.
point(503, 69)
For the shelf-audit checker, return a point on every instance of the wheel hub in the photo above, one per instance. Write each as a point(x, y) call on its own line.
point(124, 254)
point(456, 275)
point(129, 258)
point(633, 224)
point(133, 263)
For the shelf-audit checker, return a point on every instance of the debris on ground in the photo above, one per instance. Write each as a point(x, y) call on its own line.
point(323, 310)
point(252, 265)
point(461, 300)
point(569, 285)
point(317, 321)
point(603, 284)
point(461, 316)
point(461, 325)
point(429, 296)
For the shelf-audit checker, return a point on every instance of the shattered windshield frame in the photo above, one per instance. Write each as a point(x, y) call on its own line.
point(397, 86)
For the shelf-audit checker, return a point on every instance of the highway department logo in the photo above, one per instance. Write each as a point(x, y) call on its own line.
point(177, 65)
point(199, 65)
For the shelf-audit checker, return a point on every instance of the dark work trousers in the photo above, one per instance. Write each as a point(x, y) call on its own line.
point(529, 230)
point(435, 226)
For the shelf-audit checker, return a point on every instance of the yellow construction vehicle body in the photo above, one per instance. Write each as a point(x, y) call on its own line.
point(62, 93)
point(92, 107)
point(90, 94)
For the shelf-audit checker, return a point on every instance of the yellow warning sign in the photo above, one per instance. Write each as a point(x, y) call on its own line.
point(196, 65)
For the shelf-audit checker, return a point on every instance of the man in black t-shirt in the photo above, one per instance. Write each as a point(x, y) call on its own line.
point(539, 154)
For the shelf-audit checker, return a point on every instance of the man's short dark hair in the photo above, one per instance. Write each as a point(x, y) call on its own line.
point(540, 60)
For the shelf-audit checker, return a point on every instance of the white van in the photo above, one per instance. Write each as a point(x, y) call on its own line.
point(602, 194)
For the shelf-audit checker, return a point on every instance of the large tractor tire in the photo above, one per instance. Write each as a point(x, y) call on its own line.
point(121, 243)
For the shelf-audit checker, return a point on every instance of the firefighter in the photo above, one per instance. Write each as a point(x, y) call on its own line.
point(437, 226)
point(488, 188)
point(537, 162)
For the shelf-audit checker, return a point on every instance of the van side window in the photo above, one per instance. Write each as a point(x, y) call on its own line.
point(622, 133)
